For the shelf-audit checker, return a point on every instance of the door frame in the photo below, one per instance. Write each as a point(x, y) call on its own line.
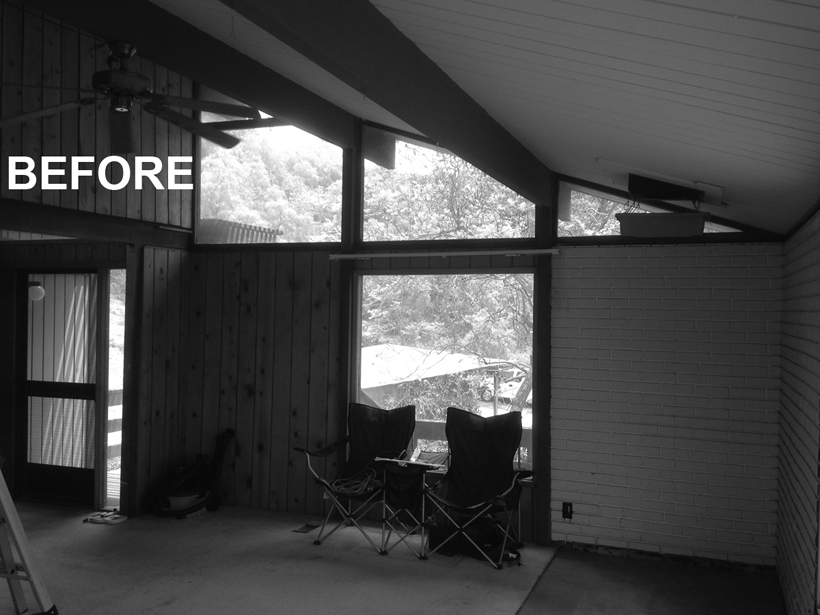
point(100, 386)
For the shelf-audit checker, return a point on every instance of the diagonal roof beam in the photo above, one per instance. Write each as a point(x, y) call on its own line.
point(175, 44)
point(356, 43)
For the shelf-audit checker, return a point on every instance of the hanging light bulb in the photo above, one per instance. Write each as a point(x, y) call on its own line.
point(36, 291)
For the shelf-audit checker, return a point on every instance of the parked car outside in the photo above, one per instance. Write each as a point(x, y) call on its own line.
point(508, 386)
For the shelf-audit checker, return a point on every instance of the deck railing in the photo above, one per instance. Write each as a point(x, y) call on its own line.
point(114, 424)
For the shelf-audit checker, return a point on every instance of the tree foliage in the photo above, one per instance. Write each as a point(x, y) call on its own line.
point(274, 182)
point(485, 315)
point(459, 390)
point(592, 215)
point(489, 316)
point(435, 195)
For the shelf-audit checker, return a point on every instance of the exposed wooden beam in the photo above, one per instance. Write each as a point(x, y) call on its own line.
point(30, 217)
point(175, 44)
point(355, 42)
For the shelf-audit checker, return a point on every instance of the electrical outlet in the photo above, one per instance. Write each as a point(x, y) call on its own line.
point(566, 510)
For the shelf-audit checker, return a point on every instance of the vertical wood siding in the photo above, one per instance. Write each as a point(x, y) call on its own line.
point(246, 341)
point(46, 63)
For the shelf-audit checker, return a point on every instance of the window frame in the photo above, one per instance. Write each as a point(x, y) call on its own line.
point(360, 271)
point(345, 208)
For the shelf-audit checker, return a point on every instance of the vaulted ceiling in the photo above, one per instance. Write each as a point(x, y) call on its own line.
point(719, 95)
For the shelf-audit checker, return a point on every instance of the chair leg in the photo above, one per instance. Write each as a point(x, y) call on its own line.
point(391, 517)
point(460, 529)
point(349, 517)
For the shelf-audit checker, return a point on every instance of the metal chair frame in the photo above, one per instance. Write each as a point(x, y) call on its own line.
point(471, 514)
point(413, 507)
point(352, 496)
point(476, 486)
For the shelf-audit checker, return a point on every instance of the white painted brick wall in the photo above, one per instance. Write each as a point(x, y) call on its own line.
point(797, 550)
point(665, 400)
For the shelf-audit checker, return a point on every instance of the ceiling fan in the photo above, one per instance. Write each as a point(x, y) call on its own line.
point(124, 88)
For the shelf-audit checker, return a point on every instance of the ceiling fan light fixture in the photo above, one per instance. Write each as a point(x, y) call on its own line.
point(121, 104)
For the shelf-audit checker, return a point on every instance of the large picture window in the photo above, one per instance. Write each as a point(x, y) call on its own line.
point(440, 340)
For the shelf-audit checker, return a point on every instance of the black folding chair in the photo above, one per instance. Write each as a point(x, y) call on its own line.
point(372, 432)
point(473, 504)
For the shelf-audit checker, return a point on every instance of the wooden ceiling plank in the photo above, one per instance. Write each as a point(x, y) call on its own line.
point(744, 77)
point(626, 23)
point(532, 76)
point(689, 62)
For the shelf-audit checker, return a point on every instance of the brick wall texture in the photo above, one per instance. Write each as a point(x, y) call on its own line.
point(665, 372)
point(797, 557)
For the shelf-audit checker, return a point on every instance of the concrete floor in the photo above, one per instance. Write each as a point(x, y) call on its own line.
point(237, 560)
point(580, 582)
point(242, 561)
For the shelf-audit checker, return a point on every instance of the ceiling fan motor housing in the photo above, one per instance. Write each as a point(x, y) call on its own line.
point(122, 83)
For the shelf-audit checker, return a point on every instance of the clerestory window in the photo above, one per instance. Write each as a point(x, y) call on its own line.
point(279, 185)
point(416, 192)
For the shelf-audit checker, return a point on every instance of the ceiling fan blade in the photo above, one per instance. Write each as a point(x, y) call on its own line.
point(208, 105)
point(193, 126)
point(265, 122)
point(33, 115)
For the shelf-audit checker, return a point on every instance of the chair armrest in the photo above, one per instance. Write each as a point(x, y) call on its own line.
point(326, 451)
point(322, 452)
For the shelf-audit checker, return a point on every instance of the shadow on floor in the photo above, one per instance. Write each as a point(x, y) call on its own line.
point(580, 582)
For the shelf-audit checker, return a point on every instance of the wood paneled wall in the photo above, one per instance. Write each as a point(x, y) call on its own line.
point(247, 341)
point(45, 63)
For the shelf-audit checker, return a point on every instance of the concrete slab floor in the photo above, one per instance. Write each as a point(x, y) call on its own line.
point(242, 560)
point(580, 582)
point(239, 560)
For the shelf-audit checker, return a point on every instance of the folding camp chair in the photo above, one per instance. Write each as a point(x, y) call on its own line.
point(403, 501)
point(372, 432)
point(472, 506)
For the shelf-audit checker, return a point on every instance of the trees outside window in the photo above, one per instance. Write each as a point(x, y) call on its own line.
point(438, 340)
point(279, 185)
point(433, 195)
